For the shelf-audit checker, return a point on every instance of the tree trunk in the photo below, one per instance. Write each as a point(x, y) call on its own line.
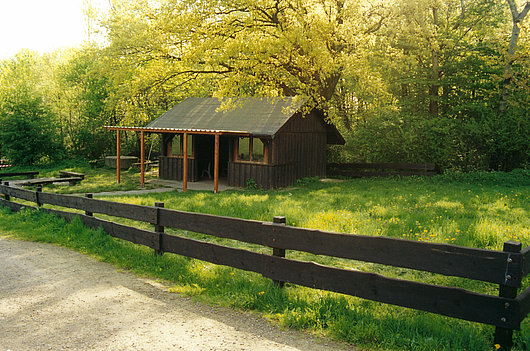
point(434, 87)
point(517, 18)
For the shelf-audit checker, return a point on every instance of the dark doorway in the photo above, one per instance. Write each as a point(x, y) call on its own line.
point(204, 154)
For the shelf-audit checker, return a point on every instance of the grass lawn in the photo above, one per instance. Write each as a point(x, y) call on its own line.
point(477, 210)
point(96, 180)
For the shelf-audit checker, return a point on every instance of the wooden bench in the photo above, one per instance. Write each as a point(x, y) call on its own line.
point(68, 174)
point(359, 170)
point(49, 180)
point(29, 174)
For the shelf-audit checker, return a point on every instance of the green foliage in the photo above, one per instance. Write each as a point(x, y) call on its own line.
point(28, 133)
point(86, 112)
point(515, 178)
point(441, 63)
point(306, 181)
point(406, 80)
point(251, 184)
point(510, 146)
point(474, 141)
point(390, 135)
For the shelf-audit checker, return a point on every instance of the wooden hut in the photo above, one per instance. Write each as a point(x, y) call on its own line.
point(269, 140)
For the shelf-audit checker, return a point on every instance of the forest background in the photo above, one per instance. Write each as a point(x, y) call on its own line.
point(441, 81)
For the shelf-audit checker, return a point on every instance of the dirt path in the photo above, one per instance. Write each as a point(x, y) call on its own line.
point(52, 298)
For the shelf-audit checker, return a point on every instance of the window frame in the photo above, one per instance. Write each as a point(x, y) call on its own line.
point(265, 143)
point(180, 136)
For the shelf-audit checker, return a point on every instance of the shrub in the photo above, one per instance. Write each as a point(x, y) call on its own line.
point(27, 132)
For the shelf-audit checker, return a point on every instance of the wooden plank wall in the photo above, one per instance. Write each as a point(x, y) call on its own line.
point(298, 151)
point(301, 142)
point(240, 172)
point(171, 168)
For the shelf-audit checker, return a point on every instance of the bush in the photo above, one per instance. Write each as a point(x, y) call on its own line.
point(27, 133)
point(473, 141)
point(387, 135)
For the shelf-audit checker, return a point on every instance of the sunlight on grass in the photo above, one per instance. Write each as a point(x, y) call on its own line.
point(342, 221)
point(449, 205)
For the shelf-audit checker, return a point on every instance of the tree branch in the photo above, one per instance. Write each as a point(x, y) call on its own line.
point(524, 12)
point(513, 8)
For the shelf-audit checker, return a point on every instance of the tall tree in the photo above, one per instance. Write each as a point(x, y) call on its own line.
point(266, 47)
point(517, 19)
point(439, 40)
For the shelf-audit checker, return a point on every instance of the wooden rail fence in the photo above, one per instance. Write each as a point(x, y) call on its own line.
point(506, 268)
point(359, 170)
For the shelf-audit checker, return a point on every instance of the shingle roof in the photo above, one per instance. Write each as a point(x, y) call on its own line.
point(254, 116)
point(257, 116)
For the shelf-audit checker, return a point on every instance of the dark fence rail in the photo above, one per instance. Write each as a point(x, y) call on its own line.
point(506, 268)
point(357, 170)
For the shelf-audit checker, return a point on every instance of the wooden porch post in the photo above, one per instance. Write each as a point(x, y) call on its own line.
point(142, 159)
point(118, 158)
point(216, 166)
point(185, 163)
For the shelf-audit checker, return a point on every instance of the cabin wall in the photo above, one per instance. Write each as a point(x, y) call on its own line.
point(171, 168)
point(301, 144)
point(298, 150)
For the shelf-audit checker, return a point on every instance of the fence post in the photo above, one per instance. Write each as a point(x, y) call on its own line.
point(39, 190)
point(159, 229)
point(503, 336)
point(88, 213)
point(278, 220)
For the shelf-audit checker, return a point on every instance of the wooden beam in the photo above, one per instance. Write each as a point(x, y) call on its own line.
point(142, 159)
point(178, 131)
point(266, 146)
point(118, 158)
point(185, 163)
point(216, 166)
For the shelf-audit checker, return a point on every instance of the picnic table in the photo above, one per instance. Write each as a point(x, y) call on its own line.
point(64, 177)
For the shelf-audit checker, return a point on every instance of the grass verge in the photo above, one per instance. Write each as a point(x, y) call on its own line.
point(96, 179)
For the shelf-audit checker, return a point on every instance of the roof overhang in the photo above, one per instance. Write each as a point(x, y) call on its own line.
point(177, 130)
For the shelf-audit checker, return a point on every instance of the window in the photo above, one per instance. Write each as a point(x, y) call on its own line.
point(258, 150)
point(251, 149)
point(177, 147)
point(243, 153)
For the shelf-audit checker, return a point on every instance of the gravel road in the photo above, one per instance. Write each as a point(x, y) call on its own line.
point(52, 298)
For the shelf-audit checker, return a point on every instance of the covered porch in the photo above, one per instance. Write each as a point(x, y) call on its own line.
point(186, 155)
